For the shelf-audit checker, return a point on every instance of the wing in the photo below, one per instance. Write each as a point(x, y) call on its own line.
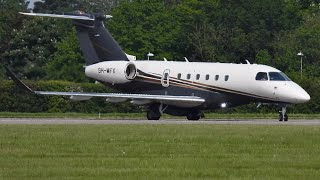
point(181, 101)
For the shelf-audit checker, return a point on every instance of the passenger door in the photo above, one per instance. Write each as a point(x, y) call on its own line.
point(165, 80)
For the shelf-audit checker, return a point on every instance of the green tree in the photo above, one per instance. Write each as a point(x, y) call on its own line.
point(32, 46)
point(143, 26)
point(237, 29)
point(10, 20)
point(56, 6)
point(263, 57)
point(68, 62)
point(306, 38)
point(89, 6)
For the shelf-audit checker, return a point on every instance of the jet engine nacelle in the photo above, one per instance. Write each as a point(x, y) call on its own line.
point(114, 72)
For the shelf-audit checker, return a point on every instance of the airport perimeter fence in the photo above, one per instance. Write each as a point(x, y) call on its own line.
point(13, 99)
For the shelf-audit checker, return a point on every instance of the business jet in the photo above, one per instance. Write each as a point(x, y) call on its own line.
point(171, 87)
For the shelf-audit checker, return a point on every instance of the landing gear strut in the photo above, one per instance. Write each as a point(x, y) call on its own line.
point(283, 114)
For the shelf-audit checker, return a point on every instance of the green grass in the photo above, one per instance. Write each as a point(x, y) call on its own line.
point(159, 152)
point(142, 115)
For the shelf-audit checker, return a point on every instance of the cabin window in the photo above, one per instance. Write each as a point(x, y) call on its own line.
point(276, 76)
point(207, 77)
point(188, 76)
point(262, 76)
point(179, 76)
point(198, 76)
point(217, 77)
point(226, 78)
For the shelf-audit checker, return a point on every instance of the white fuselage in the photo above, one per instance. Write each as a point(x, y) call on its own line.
point(239, 79)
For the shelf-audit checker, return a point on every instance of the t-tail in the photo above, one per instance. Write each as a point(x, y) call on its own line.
point(96, 42)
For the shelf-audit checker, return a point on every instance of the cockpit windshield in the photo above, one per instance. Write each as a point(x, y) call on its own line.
point(278, 76)
point(285, 76)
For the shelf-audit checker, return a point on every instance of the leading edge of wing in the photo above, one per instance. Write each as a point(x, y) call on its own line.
point(193, 99)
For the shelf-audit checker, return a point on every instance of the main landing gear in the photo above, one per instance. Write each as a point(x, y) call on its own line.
point(194, 115)
point(283, 113)
point(153, 115)
point(155, 111)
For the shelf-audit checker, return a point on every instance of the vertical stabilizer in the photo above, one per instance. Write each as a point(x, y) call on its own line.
point(96, 41)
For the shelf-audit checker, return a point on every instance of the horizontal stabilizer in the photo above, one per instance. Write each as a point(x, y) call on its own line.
point(75, 17)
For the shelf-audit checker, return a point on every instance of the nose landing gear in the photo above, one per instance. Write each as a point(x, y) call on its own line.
point(283, 114)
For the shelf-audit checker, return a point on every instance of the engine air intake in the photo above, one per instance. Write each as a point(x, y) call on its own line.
point(131, 71)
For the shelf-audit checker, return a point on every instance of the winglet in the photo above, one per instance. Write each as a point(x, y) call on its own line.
point(18, 81)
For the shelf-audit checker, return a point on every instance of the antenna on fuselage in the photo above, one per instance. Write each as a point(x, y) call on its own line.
point(186, 59)
point(150, 55)
point(165, 59)
point(248, 62)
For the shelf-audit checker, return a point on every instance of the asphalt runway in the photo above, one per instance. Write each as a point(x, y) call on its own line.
point(313, 122)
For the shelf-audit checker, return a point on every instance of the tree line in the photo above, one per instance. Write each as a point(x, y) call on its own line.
point(261, 31)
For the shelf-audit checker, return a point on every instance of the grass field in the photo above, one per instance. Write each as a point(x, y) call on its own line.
point(143, 116)
point(159, 152)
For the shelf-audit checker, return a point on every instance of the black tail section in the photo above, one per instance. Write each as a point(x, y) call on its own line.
point(96, 41)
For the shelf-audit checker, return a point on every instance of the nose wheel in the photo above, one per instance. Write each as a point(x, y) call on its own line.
point(283, 114)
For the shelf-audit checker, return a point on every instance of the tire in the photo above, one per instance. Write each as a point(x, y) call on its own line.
point(193, 117)
point(152, 115)
point(285, 118)
point(280, 117)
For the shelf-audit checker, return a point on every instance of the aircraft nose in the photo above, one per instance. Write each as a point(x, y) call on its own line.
point(303, 96)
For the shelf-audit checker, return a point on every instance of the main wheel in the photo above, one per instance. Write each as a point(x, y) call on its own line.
point(153, 115)
point(194, 116)
point(280, 117)
point(285, 117)
point(153, 112)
